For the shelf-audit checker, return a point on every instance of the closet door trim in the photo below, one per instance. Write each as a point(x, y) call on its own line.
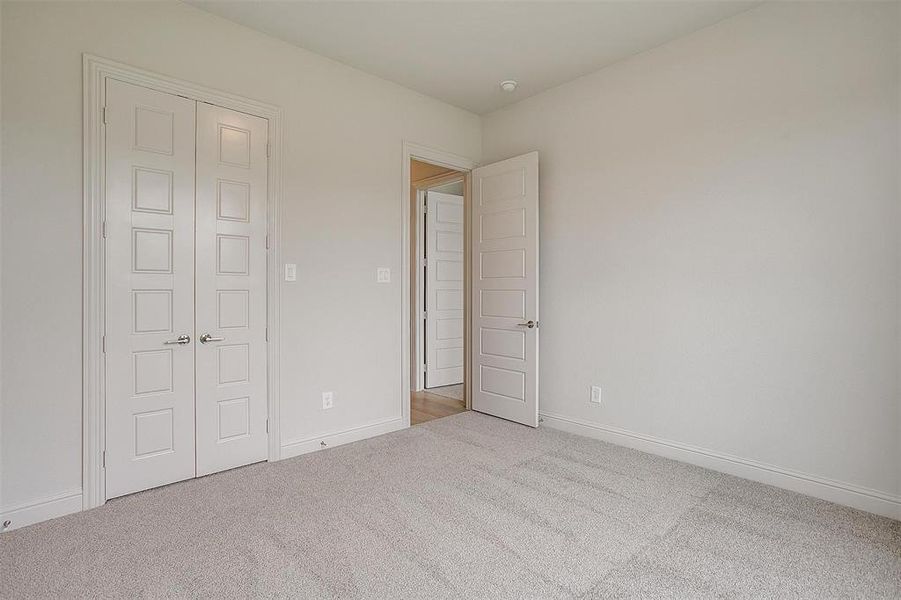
point(96, 70)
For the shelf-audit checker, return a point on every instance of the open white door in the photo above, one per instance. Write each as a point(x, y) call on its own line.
point(444, 289)
point(505, 289)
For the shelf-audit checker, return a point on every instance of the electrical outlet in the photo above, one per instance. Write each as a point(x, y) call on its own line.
point(327, 400)
point(383, 275)
point(595, 397)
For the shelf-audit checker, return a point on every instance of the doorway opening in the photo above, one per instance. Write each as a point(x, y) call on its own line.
point(499, 271)
point(439, 291)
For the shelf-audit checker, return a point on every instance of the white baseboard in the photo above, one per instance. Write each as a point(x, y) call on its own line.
point(337, 438)
point(40, 510)
point(855, 496)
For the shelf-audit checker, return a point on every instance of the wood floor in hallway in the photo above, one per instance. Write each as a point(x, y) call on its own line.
point(428, 405)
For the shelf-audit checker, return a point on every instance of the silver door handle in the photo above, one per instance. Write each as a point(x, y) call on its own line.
point(529, 324)
point(181, 340)
point(208, 338)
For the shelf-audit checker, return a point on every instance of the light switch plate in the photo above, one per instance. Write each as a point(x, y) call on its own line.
point(595, 394)
point(290, 272)
point(327, 400)
point(383, 275)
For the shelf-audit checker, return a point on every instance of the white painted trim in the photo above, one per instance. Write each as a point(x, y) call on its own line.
point(339, 438)
point(95, 72)
point(420, 290)
point(435, 157)
point(50, 507)
point(93, 379)
point(848, 494)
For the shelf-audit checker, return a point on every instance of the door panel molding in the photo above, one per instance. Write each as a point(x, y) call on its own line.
point(95, 71)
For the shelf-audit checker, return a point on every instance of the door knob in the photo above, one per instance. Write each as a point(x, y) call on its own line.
point(529, 324)
point(208, 338)
point(180, 340)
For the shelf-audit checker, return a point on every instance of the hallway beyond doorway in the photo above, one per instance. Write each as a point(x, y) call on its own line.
point(436, 403)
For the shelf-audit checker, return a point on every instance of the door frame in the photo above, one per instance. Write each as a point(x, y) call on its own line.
point(95, 71)
point(408, 209)
point(420, 188)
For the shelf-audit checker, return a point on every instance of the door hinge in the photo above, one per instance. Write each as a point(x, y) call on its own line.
point(103, 229)
point(267, 241)
point(103, 115)
point(267, 425)
point(267, 334)
point(103, 344)
point(425, 209)
point(103, 459)
point(268, 150)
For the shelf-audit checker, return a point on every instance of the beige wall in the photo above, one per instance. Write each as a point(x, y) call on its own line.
point(720, 240)
point(341, 216)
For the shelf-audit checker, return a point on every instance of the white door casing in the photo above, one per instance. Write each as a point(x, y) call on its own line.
point(97, 71)
point(231, 403)
point(505, 289)
point(444, 289)
point(149, 288)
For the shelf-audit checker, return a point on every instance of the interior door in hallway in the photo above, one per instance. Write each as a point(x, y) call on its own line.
point(444, 289)
point(149, 253)
point(231, 351)
point(505, 289)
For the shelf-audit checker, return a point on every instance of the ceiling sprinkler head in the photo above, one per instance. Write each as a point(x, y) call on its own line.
point(508, 85)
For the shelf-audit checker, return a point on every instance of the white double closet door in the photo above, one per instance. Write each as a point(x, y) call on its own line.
point(186, 259)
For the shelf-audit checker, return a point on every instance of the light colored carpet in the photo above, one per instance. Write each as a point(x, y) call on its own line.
point(448, 391)
point(463, 507)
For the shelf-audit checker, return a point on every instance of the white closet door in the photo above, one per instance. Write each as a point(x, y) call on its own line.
point(231, 288)
point(505, 289)
point(149, 288)
point(444, 289)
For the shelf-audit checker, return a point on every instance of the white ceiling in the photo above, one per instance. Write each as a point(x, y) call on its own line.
point(459, 52)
